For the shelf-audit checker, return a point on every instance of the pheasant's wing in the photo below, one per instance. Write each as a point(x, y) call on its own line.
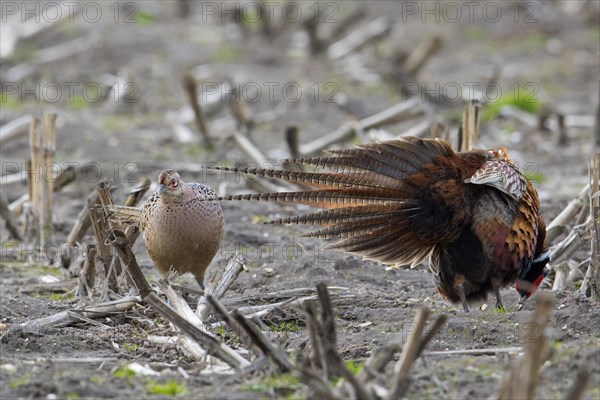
point(501, 175)
point(519, 240)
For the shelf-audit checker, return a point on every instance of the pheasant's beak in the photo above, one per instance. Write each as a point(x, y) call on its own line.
point(161, 188)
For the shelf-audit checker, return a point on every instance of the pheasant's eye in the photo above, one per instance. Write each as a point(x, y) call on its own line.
point(174, 184)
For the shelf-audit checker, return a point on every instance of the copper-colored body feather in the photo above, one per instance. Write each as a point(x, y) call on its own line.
point(401, 201)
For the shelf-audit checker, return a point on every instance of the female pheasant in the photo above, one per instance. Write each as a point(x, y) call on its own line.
point(182, 225)
point(181, 231)
point(473, 213)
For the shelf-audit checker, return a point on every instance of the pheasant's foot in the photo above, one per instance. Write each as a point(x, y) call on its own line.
point(463, 297)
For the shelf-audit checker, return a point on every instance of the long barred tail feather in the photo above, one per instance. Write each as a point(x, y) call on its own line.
point(325, 180)
point(325, 198)
point(343, 214)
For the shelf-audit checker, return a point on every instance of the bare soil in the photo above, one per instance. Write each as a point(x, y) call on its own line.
point(556, 55)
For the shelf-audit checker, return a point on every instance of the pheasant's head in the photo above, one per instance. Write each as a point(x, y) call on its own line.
point(170, 184)
point(528, 283)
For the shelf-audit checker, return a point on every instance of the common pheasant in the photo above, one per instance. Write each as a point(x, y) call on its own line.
point(473, 213)
point(181, 230)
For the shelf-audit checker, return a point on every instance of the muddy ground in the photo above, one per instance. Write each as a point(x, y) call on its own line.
point(546, 52)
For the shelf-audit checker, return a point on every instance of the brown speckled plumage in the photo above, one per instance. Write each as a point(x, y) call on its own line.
point(182, 232)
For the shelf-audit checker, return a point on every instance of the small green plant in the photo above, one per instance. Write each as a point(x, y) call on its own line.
point(138, 332)
point(221, 331)
point(28, 268)
point(9, 101)
point(260, 219)
point(124, 372)
point(144, 18)
point(228, 337)
point(79, 103)
point(252, 17)
point(115, 123)
point(276, 386)
point(170, 388)
point(197, 150)
point(56, 296)
point(285, 326)
point(535, 177)
point(227, 54)
point(475, 32)
point(132, 347)
point(524, 98)
point(354, 366)
point(533, 41)
point(19, 382)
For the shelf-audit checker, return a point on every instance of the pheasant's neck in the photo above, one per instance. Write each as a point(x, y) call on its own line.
point(186, 195)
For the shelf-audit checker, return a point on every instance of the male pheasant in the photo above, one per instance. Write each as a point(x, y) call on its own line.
point(473, 213)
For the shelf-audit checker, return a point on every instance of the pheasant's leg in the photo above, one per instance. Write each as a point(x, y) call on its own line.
point(499, 306)
point(496, 285)
point(521, 301)
point(463, 296)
